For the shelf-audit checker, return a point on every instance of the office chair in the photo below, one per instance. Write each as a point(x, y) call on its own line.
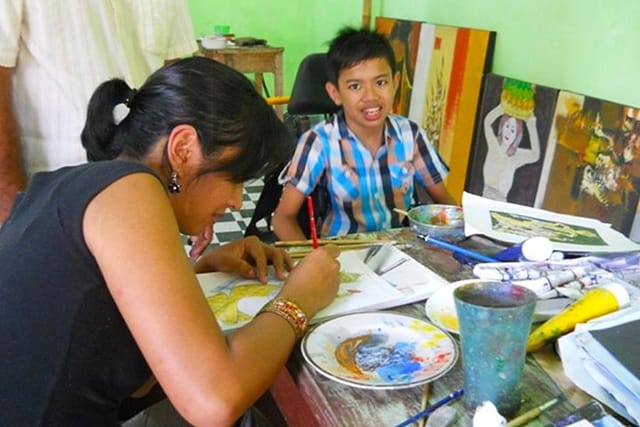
point(308, 97)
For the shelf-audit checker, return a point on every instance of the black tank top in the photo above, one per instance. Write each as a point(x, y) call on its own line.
point(66, 355)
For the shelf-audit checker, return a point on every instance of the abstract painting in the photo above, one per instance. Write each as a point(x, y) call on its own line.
point(403, 36)
point(512, 130)
point(449, 73)
point(592, 161)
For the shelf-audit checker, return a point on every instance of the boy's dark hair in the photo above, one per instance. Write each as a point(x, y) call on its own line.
point(352, 46)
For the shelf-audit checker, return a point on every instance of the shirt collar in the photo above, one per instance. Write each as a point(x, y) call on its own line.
point(390, 131)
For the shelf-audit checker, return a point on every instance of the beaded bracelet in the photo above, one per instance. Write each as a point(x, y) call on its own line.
point(290, 311)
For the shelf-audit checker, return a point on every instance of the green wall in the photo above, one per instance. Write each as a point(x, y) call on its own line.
point(590, 47)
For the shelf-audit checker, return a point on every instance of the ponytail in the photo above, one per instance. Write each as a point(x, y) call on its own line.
point(98, 135)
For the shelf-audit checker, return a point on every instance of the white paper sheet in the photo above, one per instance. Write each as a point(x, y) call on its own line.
point(510, 222)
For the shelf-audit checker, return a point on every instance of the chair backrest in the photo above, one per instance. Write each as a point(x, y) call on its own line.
point(308, 97)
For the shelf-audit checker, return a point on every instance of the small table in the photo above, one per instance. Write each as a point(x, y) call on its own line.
point(252, 59)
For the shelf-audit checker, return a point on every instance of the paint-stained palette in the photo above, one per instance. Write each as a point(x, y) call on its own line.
point(380, 350)
point(441, 307)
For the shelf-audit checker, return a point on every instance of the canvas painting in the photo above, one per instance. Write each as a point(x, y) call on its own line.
point(403, 36)
point(512, 131)
point(592, 165)
point(447, 86)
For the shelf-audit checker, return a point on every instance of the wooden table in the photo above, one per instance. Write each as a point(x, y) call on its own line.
point(305, 398)
point(254, 59)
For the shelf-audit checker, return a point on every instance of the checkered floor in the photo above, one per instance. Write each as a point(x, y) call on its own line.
point(232, 225)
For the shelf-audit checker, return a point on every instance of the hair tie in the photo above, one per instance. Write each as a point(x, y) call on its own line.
point(129, 100)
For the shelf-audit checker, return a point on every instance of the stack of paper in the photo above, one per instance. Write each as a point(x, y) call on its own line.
point(601, 357)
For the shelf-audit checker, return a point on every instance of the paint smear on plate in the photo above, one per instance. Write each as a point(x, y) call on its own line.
point(449, 321)
point(370, 354)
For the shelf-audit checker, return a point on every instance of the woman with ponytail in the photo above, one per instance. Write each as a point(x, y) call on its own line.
point(99, 300)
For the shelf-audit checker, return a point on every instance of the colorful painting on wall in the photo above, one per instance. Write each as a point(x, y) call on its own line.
point(404, 36)
point(592, 164)
point(447, 85)
point(512, 130)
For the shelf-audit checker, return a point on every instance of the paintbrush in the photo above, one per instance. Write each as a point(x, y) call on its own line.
point(535, 412)
point(423, 404)
point(306, 251)
point(401, 212)
point(337, 242)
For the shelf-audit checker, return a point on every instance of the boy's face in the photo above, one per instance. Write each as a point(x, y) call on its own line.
point(365, 92)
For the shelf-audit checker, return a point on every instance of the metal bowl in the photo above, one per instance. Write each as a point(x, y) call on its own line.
point(444, 222)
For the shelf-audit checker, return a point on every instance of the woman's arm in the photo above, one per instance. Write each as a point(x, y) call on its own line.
point(534, 139)
point(491, 117)
point(211, 379)
point(12, 176)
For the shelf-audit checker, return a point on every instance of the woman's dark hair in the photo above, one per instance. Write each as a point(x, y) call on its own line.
point(218, 101)
point(352, 46)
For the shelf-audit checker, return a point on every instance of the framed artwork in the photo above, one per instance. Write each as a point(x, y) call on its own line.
point(445, 90)
point(403, 36)
point(592, 161)
point(510, 143)
point(451, 66)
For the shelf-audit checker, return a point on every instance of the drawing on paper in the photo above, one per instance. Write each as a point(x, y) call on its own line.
point(224, 303)
point(558, 232)
point(235, 300)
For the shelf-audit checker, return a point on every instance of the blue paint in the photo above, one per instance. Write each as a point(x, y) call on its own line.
point(392, 363)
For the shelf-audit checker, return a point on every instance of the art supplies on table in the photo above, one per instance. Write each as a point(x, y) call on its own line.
point(593, 413)
point(301, 248)
point(456, 250)
point(312, 222)
point(569, 278)
point(534, 413)
point(600, 357)
point(426, 412)
point(537, 248)
point(595, 303)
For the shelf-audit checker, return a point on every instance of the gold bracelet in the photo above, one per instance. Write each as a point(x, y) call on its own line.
point(289, 311)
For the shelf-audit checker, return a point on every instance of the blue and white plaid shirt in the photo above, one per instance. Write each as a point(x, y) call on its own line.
point(364, 188)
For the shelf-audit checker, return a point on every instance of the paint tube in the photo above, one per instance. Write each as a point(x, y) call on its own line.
point(597, 302)
point(545, 284)
point(538, 248)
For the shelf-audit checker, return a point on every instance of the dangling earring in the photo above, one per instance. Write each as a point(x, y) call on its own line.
point(173, 185)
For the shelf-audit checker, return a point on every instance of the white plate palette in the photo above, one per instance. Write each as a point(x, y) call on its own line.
point(380, 350)
point(441, 309)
